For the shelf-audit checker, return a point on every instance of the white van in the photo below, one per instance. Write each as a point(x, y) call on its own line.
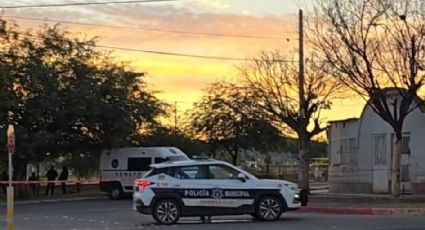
point(120, 167)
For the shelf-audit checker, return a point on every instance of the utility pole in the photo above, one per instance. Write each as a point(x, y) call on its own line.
point(303, 167)
point(175, 117)
point(301, 63)
point(10, 189)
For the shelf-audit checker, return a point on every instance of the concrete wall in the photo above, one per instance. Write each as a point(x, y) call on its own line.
point(415, 124)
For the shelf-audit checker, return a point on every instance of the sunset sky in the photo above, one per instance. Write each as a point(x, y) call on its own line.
point(182, 79)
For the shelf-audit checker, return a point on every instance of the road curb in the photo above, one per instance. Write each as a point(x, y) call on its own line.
point(365, 198)
point(339, 211)
point(399, 211)
point(364, 211)
point(59, 200)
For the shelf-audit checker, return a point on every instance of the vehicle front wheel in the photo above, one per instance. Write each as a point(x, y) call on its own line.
point(268, 209)
point(116, 193)
point(166, 212)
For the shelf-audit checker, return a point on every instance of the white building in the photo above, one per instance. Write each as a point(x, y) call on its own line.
point(360, 152)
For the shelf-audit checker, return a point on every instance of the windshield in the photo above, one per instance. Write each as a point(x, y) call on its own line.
point(178, 158)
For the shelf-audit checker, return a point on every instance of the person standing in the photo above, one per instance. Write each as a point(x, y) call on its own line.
point(63, 177)
point(51, 176)
point(34, 186)
point(4, 177)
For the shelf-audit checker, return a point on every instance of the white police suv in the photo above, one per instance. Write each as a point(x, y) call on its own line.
point(209, 188)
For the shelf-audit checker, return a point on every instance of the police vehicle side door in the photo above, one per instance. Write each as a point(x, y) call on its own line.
point(194, 187)
point(230, 190)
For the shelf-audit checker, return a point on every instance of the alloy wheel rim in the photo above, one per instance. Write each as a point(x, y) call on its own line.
point(269, 209)
point(167, 212)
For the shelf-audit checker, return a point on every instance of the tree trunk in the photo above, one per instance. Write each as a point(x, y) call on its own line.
point(268, 160)
point(235, 159)
point(235, 156)
point(303, 166)
point(213, 150)
point(395, 169)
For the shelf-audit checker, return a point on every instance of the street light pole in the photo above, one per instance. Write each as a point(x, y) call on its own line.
point(10, 190)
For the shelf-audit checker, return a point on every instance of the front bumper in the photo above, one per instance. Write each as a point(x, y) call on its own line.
point(297, 200)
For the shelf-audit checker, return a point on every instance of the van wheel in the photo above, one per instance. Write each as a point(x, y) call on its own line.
point(115, 193)
point(166, 212)
point(268, 208)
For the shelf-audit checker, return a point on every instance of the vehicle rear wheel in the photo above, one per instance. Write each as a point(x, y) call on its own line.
point(115, 193)
point(268, 208)
point(166, 212)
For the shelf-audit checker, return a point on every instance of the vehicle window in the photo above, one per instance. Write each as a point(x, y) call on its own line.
point(193, 172)
point(188, 172)
point(222, 172)
point(159, 160)
point(139, 164)
point(169, 171)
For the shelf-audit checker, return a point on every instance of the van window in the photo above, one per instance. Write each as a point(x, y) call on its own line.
point(159, 160)
point(139, 164)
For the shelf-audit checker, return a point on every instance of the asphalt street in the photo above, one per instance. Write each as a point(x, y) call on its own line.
point(108, 214)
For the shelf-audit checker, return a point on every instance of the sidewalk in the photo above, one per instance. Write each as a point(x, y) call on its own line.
point(365, 204)
point(59, 197)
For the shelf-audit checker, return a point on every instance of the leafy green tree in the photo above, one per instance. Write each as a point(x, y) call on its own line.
point(68, 97)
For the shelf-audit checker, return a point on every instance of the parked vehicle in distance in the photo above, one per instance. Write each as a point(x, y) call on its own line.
point(120, 167)
point(209, 187)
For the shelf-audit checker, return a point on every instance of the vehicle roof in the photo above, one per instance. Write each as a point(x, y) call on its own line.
point(139, 148)
point(144, 150)
point(188, 163)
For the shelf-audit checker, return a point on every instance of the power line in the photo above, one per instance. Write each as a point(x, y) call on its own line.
point(83, 4)
point(167, 53)
point(186, 55)
point(149, 29)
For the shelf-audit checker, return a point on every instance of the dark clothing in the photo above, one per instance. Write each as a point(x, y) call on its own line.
point(34, 187)
point(51, 175)
point(64, 177)
point(4, 177)
point(50, 187)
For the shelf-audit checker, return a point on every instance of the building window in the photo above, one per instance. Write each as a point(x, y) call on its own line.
point(348, 151)
point(405, 177)
point(353, 151)
point(405, 145)
point(379, 149)
point(337, 158)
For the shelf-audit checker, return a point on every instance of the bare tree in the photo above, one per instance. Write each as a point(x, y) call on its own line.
point(227, 116)
point(374, 45)
point(274, 84)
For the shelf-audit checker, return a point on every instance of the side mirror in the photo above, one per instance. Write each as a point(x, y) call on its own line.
point(241, 177)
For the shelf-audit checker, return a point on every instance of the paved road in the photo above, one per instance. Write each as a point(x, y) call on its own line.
point(106, 214)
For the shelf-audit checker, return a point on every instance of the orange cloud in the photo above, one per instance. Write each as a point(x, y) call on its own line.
point(182, 79)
